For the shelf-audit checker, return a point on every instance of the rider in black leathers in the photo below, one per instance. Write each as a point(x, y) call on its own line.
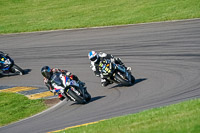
point(3, 64)
point(48, 74)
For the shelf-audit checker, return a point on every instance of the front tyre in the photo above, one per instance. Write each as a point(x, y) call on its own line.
point(77, 98)
point(132, 79)
point(17, 69)
point(119, 78)
point(87, 97)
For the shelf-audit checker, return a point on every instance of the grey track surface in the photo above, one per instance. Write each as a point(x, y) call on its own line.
point(165, 58)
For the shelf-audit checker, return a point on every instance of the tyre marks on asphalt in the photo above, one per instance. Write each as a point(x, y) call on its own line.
point(30, 92)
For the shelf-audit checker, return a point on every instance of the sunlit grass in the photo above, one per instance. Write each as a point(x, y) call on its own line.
point(178, 118)
point(14, 107)
point(36, 15)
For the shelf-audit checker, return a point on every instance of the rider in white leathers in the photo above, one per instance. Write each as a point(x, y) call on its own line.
point(95, 59)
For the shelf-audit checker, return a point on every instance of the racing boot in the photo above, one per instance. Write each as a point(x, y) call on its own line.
point(61, 97)
point(128, 68)
point(105, 82)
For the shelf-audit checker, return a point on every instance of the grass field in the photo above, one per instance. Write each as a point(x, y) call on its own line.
point(37, 15)
point(14, 107)
point(178, 118)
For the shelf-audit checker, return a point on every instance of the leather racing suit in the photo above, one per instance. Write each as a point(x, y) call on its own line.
point(56, 88)
point(95, 66)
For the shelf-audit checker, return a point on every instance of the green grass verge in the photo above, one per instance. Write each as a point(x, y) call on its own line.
point(14, 107)
point(37, 15)
point(178, 118)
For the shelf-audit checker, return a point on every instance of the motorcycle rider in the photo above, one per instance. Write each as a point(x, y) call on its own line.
point(2, 59)
point(48, 73)
point(95, 59)
point(3, 64)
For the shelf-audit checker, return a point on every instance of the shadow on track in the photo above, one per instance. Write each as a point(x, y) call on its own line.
point(26, 71)
point(136, 81)
point(139, 80)
point(92, 100)
point(96, 98)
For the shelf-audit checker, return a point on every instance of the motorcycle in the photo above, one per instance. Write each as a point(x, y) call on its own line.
point(9, 66)
point(72, 89)
point(116, 73)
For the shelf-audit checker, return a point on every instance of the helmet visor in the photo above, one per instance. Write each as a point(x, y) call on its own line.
point(46, 72)
point(93, 58)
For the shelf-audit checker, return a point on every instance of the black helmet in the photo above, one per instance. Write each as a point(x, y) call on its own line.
point(46, 72)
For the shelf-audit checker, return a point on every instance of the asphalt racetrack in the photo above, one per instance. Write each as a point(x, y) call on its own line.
point(165, 60)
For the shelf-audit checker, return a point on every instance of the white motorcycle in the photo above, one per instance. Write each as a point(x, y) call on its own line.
point(72, 89)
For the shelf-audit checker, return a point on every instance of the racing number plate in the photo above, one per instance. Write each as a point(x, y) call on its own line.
point(105, 68)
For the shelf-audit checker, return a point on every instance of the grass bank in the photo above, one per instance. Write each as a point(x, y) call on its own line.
point(14, 107)
point(37, 15)
point(178, 118)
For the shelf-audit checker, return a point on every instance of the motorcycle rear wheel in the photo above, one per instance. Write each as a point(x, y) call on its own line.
point(17, 69)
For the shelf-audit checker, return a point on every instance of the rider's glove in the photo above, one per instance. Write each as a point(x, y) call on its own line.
point(68, 73)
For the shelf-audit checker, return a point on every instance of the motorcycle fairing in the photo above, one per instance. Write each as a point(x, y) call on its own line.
point(6, 63)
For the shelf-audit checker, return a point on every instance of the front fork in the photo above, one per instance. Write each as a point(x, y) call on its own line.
point(74, 90)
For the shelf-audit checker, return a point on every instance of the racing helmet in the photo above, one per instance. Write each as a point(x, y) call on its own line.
point(46, 72)
point(2, 58)
point(93, 56)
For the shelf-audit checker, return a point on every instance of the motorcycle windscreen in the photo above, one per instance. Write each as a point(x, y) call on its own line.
point(56, 79)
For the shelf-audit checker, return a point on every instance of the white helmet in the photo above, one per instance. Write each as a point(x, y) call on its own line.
point(93, 56)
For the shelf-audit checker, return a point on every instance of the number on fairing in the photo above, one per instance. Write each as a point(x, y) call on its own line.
point(107, 69)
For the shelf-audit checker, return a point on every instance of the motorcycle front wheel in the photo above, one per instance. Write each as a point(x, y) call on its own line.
point(132, 79)
point(87, 96)
point(77, 98)
point(119, 78)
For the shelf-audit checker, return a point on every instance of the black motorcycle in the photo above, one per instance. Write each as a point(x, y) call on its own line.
point(116, 73)
point(72, 89)
point(8, 66)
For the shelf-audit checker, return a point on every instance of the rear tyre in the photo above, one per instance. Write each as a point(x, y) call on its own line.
point(17, 69)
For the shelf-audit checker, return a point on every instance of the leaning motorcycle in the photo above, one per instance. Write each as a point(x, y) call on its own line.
point(10, 66)
point(73, 90)
point(116, 73)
